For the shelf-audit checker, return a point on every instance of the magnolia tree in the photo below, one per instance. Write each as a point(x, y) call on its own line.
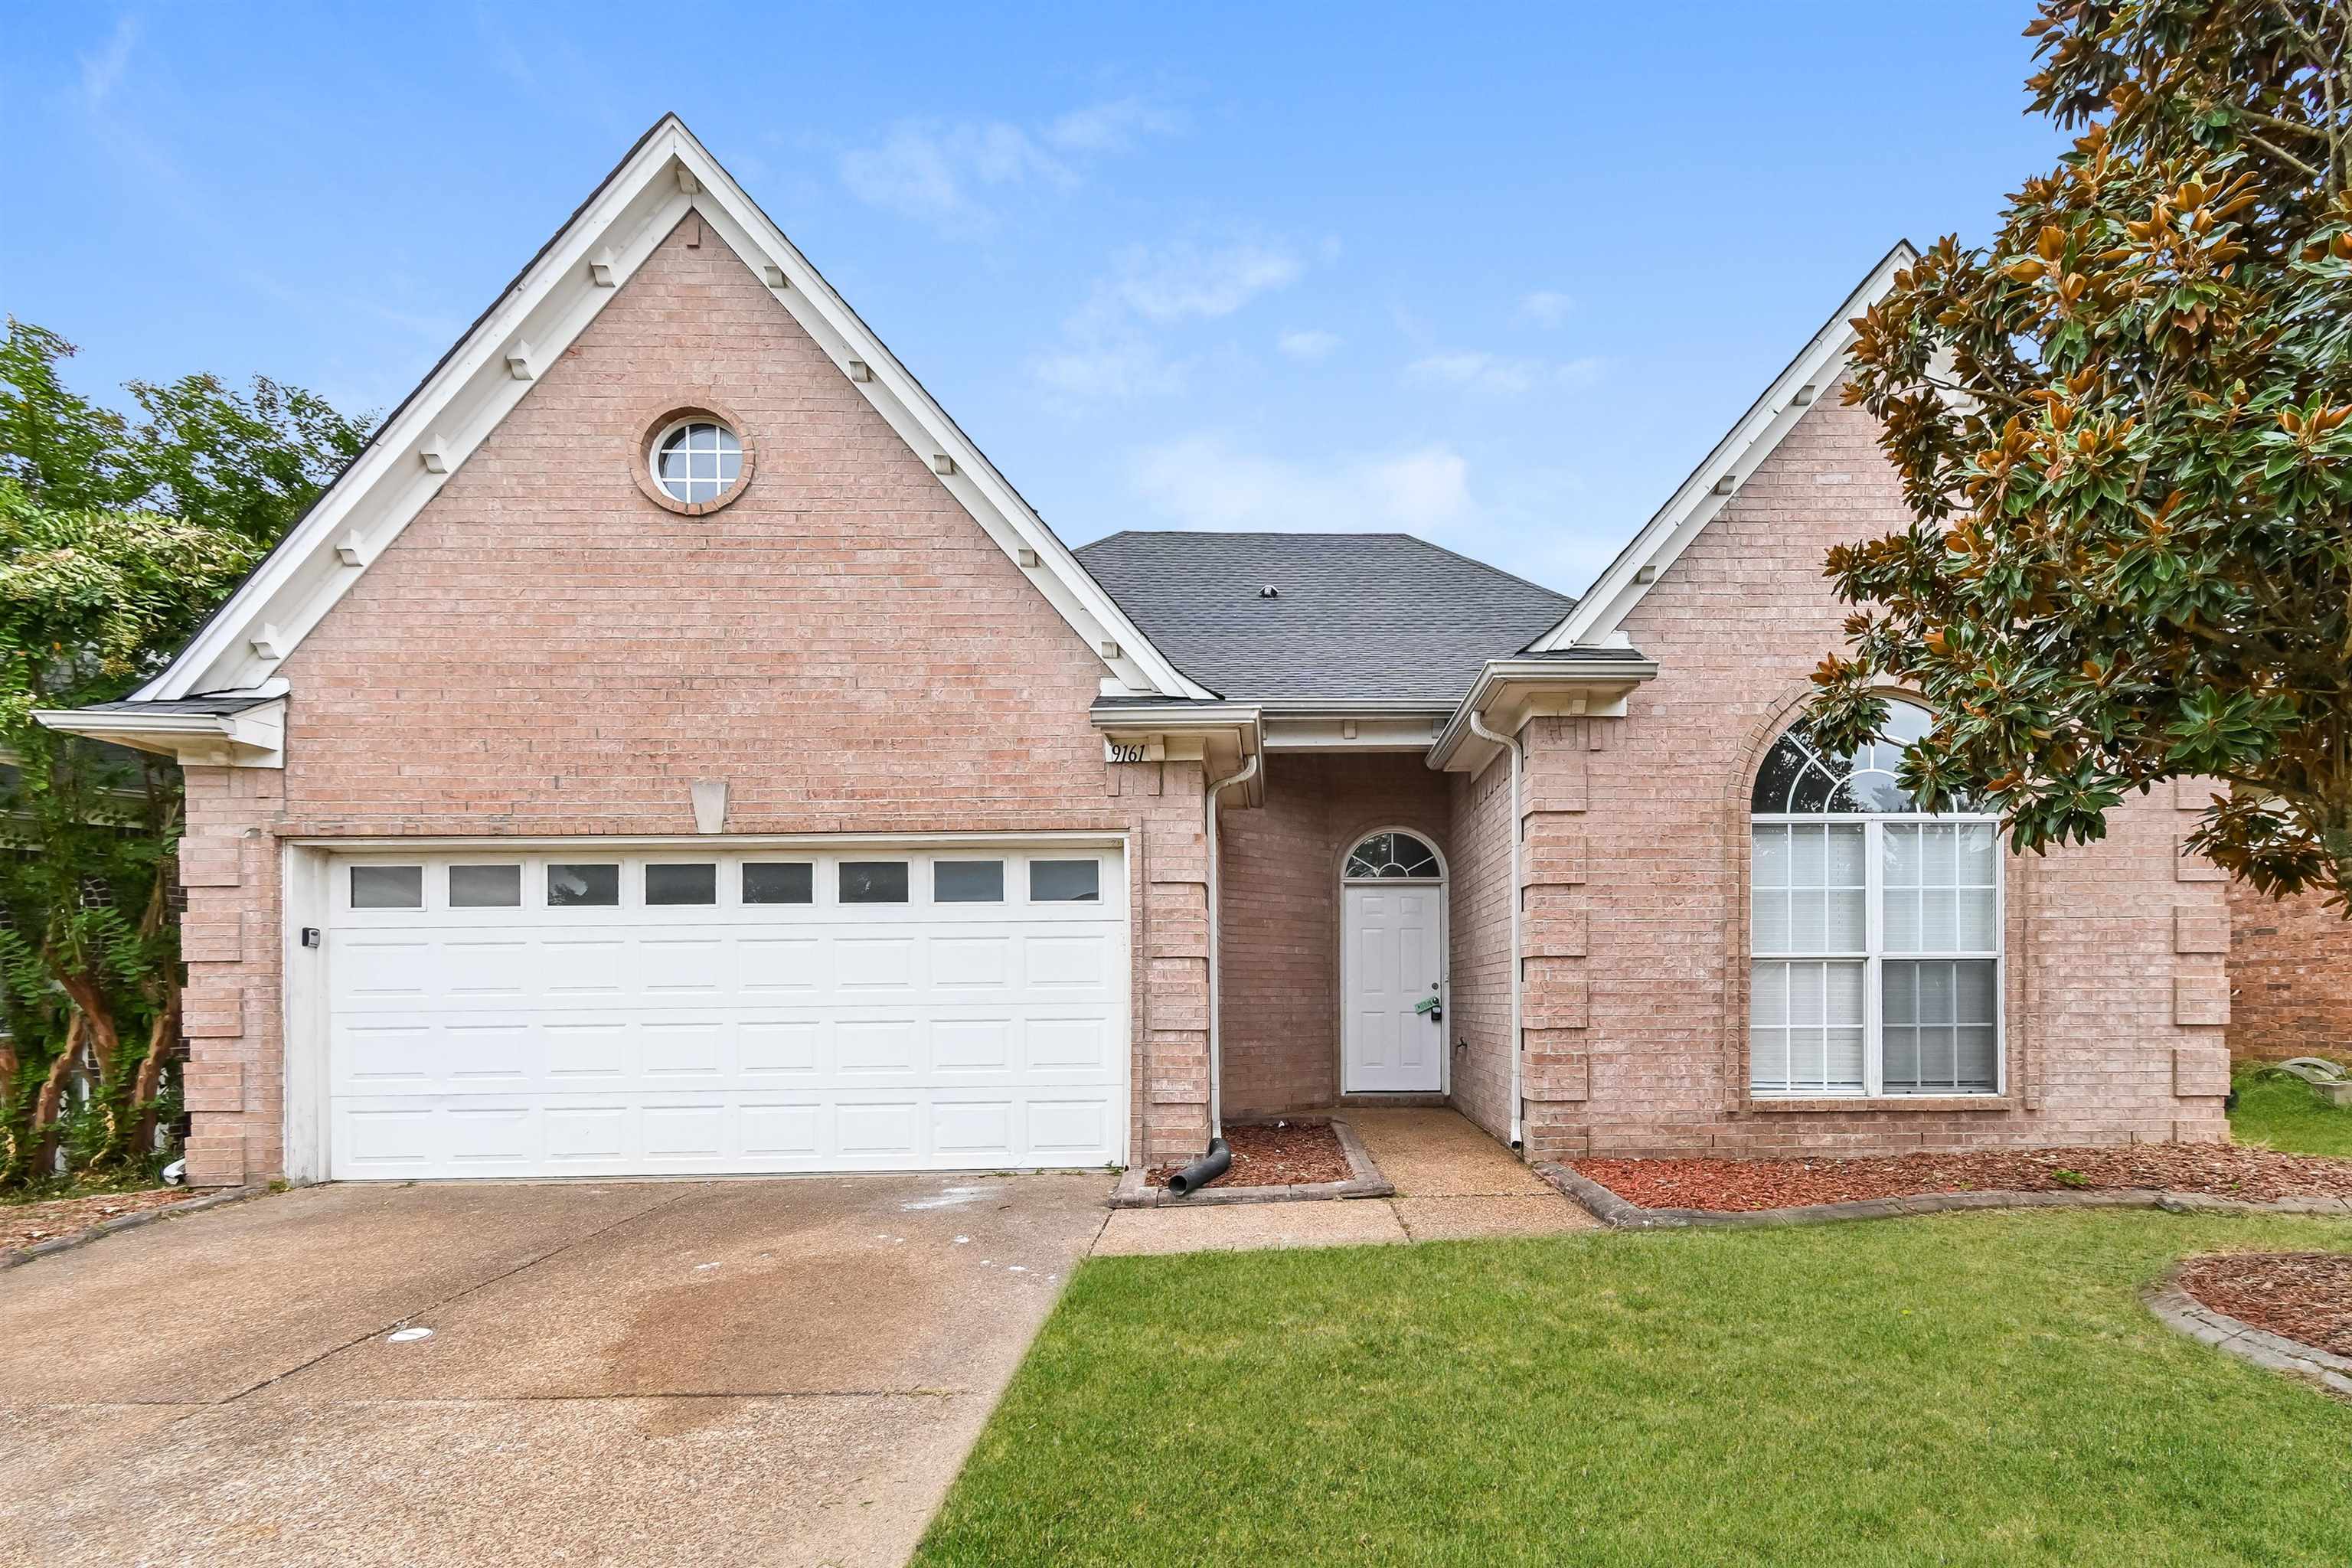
point(116, 538)
point(2125, 433)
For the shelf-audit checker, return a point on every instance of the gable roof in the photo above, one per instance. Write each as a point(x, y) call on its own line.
point(1358, 617)
point(667, 175)
point(1816, 372)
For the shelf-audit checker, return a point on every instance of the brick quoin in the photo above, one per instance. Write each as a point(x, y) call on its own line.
point(546, 651)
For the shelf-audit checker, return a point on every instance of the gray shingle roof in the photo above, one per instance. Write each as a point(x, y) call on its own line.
point(213, 707)
point(1368, 616)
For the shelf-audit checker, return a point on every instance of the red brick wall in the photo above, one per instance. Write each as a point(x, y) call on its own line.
point(1279, 879)
point(1636, 975)
point(544, 650)
point(2290, 977)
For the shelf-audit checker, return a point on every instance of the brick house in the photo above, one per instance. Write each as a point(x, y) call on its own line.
point(672, 746)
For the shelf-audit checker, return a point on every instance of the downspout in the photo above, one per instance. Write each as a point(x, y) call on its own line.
point(1216, 1053)
point(1519, 894)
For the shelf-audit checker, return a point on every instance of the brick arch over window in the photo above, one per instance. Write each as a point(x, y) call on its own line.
point(2020, 1060)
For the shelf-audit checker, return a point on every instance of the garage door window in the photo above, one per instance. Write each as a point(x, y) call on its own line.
point(583, 887)
point(1065, 881)
point(682, 884)
point(873, 881)
point(968, 882)
point(485, 887)
point(387, 887)
point(779, 883)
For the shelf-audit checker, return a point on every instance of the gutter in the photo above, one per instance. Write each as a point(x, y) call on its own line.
point(1607, 677)
point(1216, 1012)
point(1518, 894)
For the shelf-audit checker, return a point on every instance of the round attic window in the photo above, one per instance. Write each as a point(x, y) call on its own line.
point(697, 460)
point(693, 460)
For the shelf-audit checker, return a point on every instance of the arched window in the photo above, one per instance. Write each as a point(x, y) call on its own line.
point(1873, 928)
point(1393, 857)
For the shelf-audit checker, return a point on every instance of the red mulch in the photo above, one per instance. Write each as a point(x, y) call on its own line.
point(28, 1224)
point(1290, 1155)
point(2218, 1170)
point(2305, 1296)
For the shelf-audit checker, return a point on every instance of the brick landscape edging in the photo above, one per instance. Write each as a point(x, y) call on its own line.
point(2185, 1313)
point(1612, 1210)
point(25, 1255)
point(1364, 1181)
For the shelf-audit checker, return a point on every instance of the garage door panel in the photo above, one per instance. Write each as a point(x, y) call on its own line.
point(374, 972)
point(684, 966)
point(768, 965)
point(1064, 961)
point(587, 1051)
point(576, 967)
point(878, 1130)
point(712, 1039)
point(870, 965)
point(864, 1047)
point(972, 962)
point(780, 1047)
point(671, 1048)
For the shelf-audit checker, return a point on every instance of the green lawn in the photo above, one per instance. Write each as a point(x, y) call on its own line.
point(1968, 1389)
point(2281, 1111)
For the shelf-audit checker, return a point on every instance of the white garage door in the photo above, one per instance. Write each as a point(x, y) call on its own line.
point(586, 1013)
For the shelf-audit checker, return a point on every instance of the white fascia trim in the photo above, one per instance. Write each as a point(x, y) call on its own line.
point(1599, 686)
point(253, 739)
point(1601, 613)
point(926, 428)
point(557, 297)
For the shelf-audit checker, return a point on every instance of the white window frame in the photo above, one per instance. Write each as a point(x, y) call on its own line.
point(670, 431)
point(1874, 1039)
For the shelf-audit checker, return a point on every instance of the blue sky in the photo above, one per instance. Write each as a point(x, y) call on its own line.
point(1497, 277)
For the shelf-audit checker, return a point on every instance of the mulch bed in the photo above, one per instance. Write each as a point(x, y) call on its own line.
point(1740, 1186)
point(28, 1224)
point(1284, 1154)
point(2304, 1296)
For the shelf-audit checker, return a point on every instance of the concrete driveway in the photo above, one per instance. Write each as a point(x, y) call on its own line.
point(646, 1373)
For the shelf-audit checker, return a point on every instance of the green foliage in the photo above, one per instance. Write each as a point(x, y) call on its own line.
point(117, 538)
point(2125, 432)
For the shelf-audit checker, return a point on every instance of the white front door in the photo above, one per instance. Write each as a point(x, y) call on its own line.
point(1390, 1040)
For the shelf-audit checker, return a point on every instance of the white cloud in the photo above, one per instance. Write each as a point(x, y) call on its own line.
point(1185, 282)
point(102, 72)
point(931, 173)
point(1498, 374)
point(1547, 307)
point(1307, 345)
point(1111, 127)
point(1110, 347)
point(1110, 367)
point(1205, 481)
point(940, 173)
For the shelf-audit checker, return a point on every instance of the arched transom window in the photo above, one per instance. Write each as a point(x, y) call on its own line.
point(1393, 857)
point(1874, 927)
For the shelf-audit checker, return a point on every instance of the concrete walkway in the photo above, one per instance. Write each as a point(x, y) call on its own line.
point(1452, 1180)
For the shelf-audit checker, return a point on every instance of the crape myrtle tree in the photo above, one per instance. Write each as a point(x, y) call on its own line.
point(2124, 428)
point(118, 535)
